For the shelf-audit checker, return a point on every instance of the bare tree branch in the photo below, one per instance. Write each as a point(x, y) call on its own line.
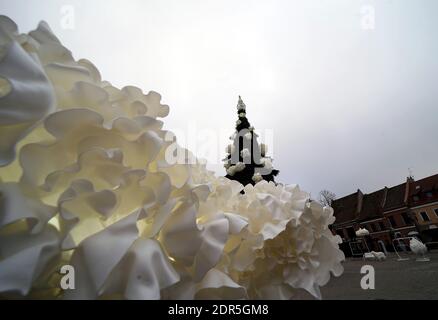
point(326, 197)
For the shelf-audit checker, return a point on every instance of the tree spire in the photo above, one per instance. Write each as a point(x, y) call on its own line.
point(240, 104)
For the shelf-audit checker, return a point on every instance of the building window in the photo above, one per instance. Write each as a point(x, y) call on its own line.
point(373, 227)
point(351, 233)
point(382, 225)
point(406, 219)
point(416, 198)
point(424, 216)
point(392, 221)
point(429, 194)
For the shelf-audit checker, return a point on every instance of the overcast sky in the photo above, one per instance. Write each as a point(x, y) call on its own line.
point(352, 104)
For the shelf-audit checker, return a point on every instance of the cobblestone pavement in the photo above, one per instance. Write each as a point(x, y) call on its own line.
point(393, 280)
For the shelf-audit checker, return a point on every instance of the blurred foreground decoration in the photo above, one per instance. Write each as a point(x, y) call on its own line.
point(90, 186)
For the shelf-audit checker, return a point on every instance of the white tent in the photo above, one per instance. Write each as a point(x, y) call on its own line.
point(362, 232)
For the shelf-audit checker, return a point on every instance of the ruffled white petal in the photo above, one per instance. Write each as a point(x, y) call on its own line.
point(98, 255)
point(92, 187)
point(26, 96)
point(25, 257)
point(143, 272)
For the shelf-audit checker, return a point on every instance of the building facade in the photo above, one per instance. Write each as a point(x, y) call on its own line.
point(410, 208)
point(423, 205)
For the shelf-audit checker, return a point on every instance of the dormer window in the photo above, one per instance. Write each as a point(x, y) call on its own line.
point(424, 216)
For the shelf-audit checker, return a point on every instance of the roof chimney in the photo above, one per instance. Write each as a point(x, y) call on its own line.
point(359, 201)
point(385, 194)
point(409, 180)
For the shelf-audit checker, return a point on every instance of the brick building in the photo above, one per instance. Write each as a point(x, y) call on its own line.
point(423, 206)
point(389, 213)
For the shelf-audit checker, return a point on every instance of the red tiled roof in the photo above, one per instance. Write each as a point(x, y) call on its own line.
point(395, 197)
point(423, 191)
point(424, 185)
point(372, 205)
point(345, 209)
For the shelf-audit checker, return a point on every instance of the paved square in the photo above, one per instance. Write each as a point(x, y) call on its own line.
point(393, 280)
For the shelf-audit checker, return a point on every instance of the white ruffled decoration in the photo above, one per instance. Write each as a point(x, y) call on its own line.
point(245, 153)
point(263, 149)
point(26, 95)
point(257, 177)
point(231, 170)
point(267, 163)
point(248, 136)
point(230, 149)
point(240, 166)
point(90, 187)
